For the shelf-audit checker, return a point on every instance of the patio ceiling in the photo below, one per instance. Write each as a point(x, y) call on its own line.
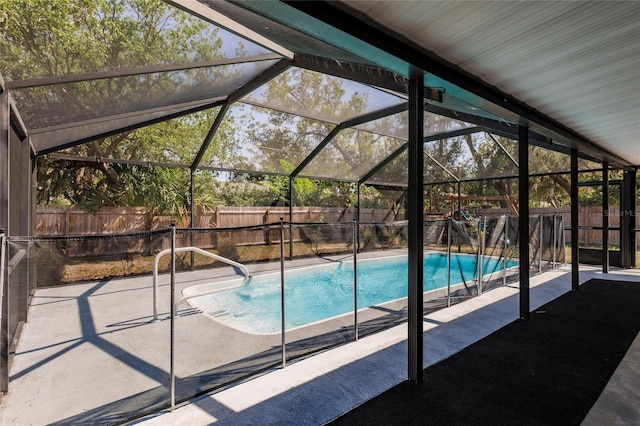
point(577, 63)
point(281, 40)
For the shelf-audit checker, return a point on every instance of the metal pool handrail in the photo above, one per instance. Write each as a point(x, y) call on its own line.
point(202, 252)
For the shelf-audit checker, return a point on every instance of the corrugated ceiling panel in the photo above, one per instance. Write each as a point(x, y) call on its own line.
point(578, 62)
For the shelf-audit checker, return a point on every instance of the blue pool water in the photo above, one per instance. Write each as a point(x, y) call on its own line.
point(317, 293)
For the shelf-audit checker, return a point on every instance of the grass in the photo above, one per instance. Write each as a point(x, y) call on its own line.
point(567, 252)
point(83, 270)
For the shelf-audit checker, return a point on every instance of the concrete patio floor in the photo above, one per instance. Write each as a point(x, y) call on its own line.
point(81, 356)
point(319, 389)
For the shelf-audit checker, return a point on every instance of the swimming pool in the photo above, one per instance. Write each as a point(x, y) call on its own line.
point(317, 293)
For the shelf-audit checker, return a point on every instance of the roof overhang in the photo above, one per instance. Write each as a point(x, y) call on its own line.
point(342, 26)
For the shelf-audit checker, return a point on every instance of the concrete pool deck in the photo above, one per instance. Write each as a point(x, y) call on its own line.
point(318, 389)
point(92, 353)
point(90, 346)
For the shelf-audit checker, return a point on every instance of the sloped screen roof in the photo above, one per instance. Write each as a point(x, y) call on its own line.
point(114, 67)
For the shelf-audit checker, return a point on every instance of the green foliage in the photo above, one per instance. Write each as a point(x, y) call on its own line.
point(372, 198)
point(157, 187)
point(368, 238)
point(42, 38)
point(49, 265)
point(60, 37)
point(484, 157)
point(248, 194)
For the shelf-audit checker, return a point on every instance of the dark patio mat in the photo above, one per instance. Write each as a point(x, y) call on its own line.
point(549, 370)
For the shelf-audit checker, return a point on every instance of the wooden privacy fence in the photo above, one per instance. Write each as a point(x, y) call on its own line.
point(67, 220)
point(236, 226)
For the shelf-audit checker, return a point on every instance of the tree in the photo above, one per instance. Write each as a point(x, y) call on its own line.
point(277, 141)
point(490, 160)
point(42, 38)
point(479, 156)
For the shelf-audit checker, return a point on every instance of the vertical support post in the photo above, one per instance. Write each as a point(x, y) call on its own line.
point(282, 323)
point(605, 217)
point(563, 240)
point(356, 241)
point(358, 218)
point(4, 161)
point(555, 241)
point(291, 218)
point(415, 203)
point(355, 280)
point(4, 224)
point(483, 234)
point(575, 204)
point(172, 375)
point(633, 224)
point(192, 193)
point(3, 245)
point(505, 250)
point(449, 261)
point(633, 214)
point(27, 208)
point(477, 271)
point(523, 219)
point(27, 177)
point(155, 291)
point(540, 243)
point(459, 213)
point(628, 213)
point(4, 343)
point(33, 272)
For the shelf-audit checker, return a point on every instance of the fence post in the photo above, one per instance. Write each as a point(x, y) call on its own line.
point(67, 219)
point(3, 245)
point(172, 378)
point(555, 241)
point(563, 243)
point(267, 228)
point(505, 249)
point(291, 194)
point(284, 342)
point(483, 232)
point(355, 279)
point(540, 245)
point(449, 261)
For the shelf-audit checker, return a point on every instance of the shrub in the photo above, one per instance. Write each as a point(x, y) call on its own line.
point(227, 247)
point(368, 237)
point(50, 263)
